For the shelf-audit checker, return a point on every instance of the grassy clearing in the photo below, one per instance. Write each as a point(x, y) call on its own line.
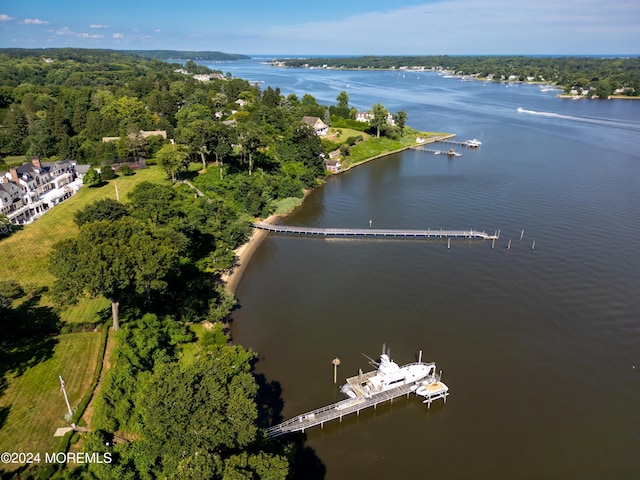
point(346, 133)
point(32, 402)
point(285, 205)
point(25, 252)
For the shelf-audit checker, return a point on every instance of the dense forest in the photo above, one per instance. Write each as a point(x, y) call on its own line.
point(601, 76)
point(174, 404)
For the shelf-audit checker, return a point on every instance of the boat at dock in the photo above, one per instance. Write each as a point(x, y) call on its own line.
point(388, 376)
point(473, 143)
point(386, 383)
point(453, 153)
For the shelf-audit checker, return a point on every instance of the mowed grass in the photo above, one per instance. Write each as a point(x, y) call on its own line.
point(25, 253)
point(33, 405)
point(87, 310)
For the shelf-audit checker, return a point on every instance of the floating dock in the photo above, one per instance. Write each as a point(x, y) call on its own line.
point(432, 390)
point(374, 232)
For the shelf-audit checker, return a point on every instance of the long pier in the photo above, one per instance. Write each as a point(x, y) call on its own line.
point(466, 143)
point(336, 411)
point(374, 232)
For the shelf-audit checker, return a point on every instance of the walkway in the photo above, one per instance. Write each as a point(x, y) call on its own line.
point(374, 232)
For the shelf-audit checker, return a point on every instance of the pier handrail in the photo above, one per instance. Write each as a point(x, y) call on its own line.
point(373, 232)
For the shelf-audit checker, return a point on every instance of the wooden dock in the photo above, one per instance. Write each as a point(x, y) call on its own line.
point(336, 411)
point(465, 143)
point(374, 232)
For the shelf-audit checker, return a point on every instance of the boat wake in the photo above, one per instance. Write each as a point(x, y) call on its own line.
point(627, 125)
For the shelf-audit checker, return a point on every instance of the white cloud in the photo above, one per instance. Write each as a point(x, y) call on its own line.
point(4, 17)
point(98, 26)
point(88, 35)
point(117, 35)
point(64, 31)
point(34, 21)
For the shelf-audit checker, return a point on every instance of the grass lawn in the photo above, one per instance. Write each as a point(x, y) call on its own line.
point(346, 133)
point(25, 252)
point(87, 310)
point(32, 406)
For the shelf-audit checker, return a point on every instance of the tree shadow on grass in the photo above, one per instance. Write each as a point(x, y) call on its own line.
point(28, 338)
point(4, 413)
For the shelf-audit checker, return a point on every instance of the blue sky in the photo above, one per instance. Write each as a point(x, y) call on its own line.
point(382, 27)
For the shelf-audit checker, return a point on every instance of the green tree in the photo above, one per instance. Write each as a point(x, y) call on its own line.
point(105, 209)
point(174, 159)
point(92, 178)
point(111, 259)
point(379, 119)
point(400, 119)
point(5, 225)
point(192, 416)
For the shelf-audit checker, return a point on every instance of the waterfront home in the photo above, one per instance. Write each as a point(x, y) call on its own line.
point(318, 125)
point(366, 117)
point(26, 192)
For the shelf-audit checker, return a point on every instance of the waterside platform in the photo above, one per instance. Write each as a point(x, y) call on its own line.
point(374, 232)
point(431, 389)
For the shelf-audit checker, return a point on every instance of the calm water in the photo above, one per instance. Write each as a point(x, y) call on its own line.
point(541, 350)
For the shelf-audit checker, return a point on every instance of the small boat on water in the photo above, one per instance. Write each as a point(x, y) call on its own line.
point(473, 143)
point(389, 375)
point(453, 153)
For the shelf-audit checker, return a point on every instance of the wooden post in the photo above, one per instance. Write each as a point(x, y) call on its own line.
point(509, 245)
point(493, 243)
point(336, 362)
point(448, 243)
point(522, 234)
point(533, 246)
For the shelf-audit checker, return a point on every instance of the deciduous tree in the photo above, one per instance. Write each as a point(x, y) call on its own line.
point(111, 259)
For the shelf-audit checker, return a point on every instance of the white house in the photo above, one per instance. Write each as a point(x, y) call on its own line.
point(318, 125)
point(366, 117)
point(26, 192)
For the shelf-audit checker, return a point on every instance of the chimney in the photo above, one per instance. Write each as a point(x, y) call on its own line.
point(14, 175)
point(35, 161)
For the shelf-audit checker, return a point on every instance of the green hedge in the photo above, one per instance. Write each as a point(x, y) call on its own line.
point(84, 403)
point(339, 122)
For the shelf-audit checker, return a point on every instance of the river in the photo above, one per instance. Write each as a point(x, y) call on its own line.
point(540, 348)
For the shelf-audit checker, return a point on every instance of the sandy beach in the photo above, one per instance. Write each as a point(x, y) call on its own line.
point(244, 253)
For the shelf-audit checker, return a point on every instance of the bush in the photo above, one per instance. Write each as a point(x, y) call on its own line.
point(339, 122)
point(126, 170)
point(108, 173)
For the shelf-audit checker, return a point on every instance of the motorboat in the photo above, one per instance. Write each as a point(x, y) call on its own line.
point(474, 143)
point(388, 376)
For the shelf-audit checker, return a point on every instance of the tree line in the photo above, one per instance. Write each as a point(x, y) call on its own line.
point(603, 75)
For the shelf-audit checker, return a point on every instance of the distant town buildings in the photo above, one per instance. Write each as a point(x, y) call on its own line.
point(26, 192)
point(203, 77)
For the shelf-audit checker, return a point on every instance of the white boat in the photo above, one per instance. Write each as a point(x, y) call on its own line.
point(474, 143)
point(388, 376)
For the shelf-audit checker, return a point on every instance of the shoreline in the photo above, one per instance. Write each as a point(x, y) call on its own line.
point(245, 251)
